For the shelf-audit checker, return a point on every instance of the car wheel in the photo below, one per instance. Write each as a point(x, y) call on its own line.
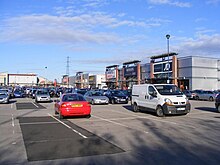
point(92, 102)
point(113, 101)
point(159, 111)
point(197, 97)
point(60, 116)
point(135, 108)
point(211, 98)
point(218, 108)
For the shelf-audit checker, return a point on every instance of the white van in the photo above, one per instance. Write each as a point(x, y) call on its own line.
point(160, 98)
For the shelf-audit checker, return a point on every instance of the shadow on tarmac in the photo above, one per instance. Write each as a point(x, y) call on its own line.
point(209, 109)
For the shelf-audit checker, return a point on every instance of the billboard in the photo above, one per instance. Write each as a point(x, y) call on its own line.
point(130, 71)
point(110, 74)
point(163, 67)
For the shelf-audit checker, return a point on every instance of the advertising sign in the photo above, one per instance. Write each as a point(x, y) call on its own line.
point(163, 67)
point(130, 71)
point(110, 74)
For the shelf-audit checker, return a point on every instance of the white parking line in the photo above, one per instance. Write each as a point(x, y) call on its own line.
point(77, 132)
point(117, 123)
point(35, 105)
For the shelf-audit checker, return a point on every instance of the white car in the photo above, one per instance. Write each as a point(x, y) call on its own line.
point(160, 98)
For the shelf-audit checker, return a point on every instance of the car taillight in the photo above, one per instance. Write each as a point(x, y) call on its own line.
point(63, 105)
point(88, 105)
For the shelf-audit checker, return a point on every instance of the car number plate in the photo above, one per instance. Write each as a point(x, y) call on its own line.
point(76, 105)
point(180, 109)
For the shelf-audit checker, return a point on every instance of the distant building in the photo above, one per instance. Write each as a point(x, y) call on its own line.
point(3, 79)
point(22, 79)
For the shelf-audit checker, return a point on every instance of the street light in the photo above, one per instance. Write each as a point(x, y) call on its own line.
point(168, 37)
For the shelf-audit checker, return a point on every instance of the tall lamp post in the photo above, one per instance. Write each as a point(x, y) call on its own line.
point(168, 52)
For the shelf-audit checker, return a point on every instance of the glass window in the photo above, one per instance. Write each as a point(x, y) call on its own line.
point(168, 90)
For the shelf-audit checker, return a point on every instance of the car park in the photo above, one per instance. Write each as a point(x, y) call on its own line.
point(42, 95)
point(72, 104)
point(116, 96)
point(96, 97)
point(160, 98)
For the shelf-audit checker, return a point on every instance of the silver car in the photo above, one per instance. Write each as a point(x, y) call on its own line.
point(96, 97)
point(4, 98)
point(42, 96)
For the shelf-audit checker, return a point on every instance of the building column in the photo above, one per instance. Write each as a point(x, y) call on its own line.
point(151, 71)
point(138, 73)
point(174, 70)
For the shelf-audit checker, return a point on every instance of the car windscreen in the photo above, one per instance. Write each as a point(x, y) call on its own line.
point(73, 97)
point(168, 90)
point(42, 92)
point(117, 92)
point(96, 93)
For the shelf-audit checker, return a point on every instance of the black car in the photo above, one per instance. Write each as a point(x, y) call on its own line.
point(127, 92)
point(117, 96)
point(217, 102)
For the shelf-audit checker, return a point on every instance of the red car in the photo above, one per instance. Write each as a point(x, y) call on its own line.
point(72, 104)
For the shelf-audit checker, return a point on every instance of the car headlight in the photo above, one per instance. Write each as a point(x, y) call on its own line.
point(168, 101)
point(115, 97)
point(187, 100)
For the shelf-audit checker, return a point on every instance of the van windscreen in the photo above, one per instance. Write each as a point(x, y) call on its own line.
point(168, 90)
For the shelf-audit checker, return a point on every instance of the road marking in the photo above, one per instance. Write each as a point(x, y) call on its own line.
point(35, 105)
point(12, 120)
point(118, 123)
point(77, 132)
point(38, 123)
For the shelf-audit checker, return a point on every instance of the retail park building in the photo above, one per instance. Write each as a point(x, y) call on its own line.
point(193, 72)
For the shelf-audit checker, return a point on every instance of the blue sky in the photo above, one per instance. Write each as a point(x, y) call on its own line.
point(35, 34)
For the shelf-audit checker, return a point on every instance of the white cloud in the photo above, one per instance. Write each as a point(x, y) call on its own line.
point(170, 2)
point(63, 29)
point(207, 45)
point(213, 2)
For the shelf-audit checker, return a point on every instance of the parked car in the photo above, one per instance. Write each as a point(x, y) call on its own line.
point(196, 94)
point(188, 94)
point(117, 96)
point(204, 95)
point(127, 92)
point(81, 91)
point(42, 95)
point(18, 93)
point(4, 97)
point(72, 104)
point(217, 102)
point(32, 93)
point(96, 97)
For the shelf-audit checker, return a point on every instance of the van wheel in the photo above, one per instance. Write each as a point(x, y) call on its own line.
point(60, 116)
point(211, 98)
point(218, 108)
point(135, 108)
point(159, 111)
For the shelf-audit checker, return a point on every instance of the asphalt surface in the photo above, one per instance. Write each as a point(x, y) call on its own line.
point(115, 135)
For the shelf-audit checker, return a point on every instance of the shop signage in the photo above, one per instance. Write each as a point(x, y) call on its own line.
point(130, 71)
point(163, 67)
point(110, 74)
